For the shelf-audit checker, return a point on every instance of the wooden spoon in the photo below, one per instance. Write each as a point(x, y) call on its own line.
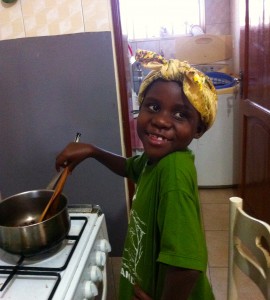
point(57, 192)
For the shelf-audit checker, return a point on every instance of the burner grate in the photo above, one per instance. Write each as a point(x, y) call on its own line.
point(20, 269)
point(56, 275)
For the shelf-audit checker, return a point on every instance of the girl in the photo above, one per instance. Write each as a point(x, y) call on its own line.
point(165, 255)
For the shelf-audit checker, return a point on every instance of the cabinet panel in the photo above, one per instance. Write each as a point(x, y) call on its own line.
point(256, 160)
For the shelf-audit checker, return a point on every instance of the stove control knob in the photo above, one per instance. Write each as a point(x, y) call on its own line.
point(90, 290)
point(99, 259)
point(95, 274)
point(103, 245)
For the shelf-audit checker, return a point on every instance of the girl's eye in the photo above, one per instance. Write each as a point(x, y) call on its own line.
point(180, 115)
point(154, 107)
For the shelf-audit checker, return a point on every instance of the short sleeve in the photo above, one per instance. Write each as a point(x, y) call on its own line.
point(134, 166)
point(182, 241)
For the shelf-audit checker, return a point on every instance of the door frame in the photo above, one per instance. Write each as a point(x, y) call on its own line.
point(121, 60)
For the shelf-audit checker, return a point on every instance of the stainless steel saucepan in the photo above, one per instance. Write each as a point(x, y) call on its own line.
point(21, 232)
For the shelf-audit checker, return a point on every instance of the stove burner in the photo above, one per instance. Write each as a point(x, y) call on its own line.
point(13, 259)
point(21, 267)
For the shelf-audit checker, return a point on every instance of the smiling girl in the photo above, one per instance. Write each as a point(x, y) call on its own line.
point(165, 255)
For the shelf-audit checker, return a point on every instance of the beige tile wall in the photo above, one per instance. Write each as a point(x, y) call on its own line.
point(29, 18)
point(218, 17)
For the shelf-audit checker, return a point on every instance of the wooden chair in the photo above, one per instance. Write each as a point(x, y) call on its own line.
point(249, 239)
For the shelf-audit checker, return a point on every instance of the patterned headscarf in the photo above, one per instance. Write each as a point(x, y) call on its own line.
point(197, 87)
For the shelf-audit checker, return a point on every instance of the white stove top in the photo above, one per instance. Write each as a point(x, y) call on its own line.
point(28, 284)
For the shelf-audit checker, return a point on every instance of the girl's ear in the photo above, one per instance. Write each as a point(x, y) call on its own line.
point(200, 130)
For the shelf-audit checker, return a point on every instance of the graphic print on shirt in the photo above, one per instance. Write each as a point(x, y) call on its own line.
point(134, 251)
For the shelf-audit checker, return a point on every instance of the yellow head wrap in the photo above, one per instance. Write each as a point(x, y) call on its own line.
point(197, 87)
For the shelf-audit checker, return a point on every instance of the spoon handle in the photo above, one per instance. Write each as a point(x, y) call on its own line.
point(59, 181)
point(58, 190)
point(55, 179)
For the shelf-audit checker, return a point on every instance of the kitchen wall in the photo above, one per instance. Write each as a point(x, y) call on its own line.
point(237, 13)
point(218, 17)
point(28, 18)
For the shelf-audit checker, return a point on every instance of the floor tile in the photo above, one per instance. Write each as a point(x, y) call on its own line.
point(215, 216)
point(216, 195)
point(218, 277)
point(217, 244)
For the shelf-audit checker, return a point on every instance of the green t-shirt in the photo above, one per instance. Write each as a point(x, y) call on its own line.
point(165, 226)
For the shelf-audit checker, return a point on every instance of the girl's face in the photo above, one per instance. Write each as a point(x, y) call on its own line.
point(167, 122)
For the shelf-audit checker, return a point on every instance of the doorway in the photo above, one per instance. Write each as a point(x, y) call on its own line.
point(216, 21)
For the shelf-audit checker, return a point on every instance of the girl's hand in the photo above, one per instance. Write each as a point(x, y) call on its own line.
point(139, 294)
point(73, 154)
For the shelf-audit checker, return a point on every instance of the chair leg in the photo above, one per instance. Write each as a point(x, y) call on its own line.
point(231, 290)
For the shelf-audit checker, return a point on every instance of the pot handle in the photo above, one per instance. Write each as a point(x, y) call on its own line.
point(57, 176)
point(54, 180)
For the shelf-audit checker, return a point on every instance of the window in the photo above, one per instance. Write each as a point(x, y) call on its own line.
point(144, 19)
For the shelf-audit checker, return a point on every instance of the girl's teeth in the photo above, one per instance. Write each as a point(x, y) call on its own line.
point(159, 138)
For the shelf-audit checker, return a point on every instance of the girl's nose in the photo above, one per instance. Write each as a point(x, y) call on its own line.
point(162, 120)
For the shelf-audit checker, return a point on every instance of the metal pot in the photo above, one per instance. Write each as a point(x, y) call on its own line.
point(20, 231)
point(19, 234)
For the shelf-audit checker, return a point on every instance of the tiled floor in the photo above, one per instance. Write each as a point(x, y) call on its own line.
point(215, 212)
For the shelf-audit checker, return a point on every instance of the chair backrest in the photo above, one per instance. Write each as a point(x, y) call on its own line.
point(249, 244)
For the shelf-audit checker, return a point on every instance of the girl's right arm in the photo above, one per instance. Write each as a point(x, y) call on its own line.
point(74, 153)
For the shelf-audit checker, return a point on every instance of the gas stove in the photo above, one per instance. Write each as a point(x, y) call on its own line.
point(76, 269)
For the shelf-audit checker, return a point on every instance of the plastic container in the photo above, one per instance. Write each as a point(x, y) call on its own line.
point(221, 80)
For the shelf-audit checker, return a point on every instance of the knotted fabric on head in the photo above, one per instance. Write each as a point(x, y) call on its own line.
point(197, 87)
